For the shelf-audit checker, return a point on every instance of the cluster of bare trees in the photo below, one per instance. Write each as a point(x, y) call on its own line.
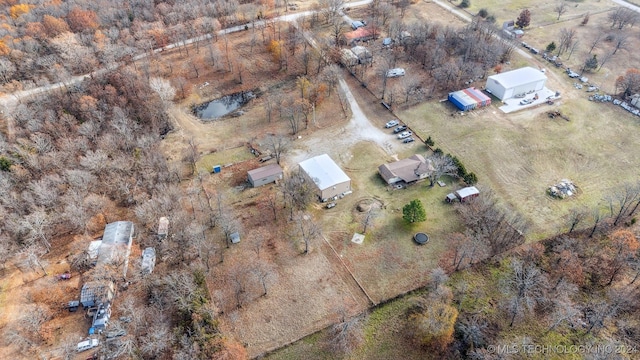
point(490, 231)
point(567, 284)
point(451, 56)
point(49, 42)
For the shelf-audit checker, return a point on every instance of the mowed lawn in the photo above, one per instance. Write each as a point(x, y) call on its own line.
point(389, 262)
point(520, 155)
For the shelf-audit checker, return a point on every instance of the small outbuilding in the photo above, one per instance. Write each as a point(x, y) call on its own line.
point(469, 99)
point(326, 175)
point(163, 227)
point(148, 260)
point(463, 194)
point(364, 56)
point(509, 84)
point(348, 58)
point(265, 175)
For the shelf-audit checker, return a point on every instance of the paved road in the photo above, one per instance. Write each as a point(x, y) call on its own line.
point(627, 5)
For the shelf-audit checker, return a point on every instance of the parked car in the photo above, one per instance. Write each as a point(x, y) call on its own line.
point(331, 205)
point(572, 74)
point(405, 134)
point(584, 79)
point(357, 24)
point(391, 123)
point(395, 72)
point(526, 101)
point(408, 140)
point(88, 344)
point(400, 128)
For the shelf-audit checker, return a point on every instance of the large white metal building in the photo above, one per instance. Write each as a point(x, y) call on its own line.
point(329, 179)
point(511, 83)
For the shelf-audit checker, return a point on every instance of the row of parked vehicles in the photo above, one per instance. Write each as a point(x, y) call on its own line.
point(401, 130)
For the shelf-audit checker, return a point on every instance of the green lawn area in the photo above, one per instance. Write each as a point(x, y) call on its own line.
point(229, 156)
point(388, 262)
point(520, 155)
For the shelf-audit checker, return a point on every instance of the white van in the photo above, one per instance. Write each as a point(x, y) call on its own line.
point(395, 72)
point(88, 344)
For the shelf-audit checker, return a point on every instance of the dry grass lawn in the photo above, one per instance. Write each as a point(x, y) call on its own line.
point(542, 12)
point(518, 156)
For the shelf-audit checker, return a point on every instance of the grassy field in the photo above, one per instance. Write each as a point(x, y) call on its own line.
point(519, 155)
point(542, 12)
point(384, 338)
point(229, 156)
point(388, 262)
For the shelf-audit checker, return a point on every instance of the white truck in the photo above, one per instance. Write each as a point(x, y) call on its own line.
point(88, 344)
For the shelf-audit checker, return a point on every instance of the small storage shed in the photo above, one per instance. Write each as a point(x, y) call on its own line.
point(148, 260)
point(327, 176)
point(463, 194)
point(469, 99)
point(348, 58)
point(508, 84)
point(163, 227)
point(265, 175)
point(364, 56)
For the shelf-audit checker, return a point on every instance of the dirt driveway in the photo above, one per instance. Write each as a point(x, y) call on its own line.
point(337, 141)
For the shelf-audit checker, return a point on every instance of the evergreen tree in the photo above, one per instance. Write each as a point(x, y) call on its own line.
point(414, 212)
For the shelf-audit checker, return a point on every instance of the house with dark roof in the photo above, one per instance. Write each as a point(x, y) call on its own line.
point(94, 293)
point(408, 170)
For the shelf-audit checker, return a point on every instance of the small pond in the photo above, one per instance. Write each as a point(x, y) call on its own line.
point(218, 108)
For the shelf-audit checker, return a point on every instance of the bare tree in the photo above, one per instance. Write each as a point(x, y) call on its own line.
point(567, 37)
point(526, 286)
point(596, 216)
point(229, 224)
point(306, 229)
point(442, 165)
point(191, 154)
point(278, 144)
point(265, 274)
point(369, 218)
point(564, 311)
point(596, 41)
point(560, 9)
point(622, 201)
point(437, 277)
point(620, 41)
point(346, 336)
point(576, 215)
point(623, 16)
point(297, 193)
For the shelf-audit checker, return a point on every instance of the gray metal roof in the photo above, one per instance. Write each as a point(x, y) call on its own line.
point(518, 77)
point(324, 171)
point(119, 232)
